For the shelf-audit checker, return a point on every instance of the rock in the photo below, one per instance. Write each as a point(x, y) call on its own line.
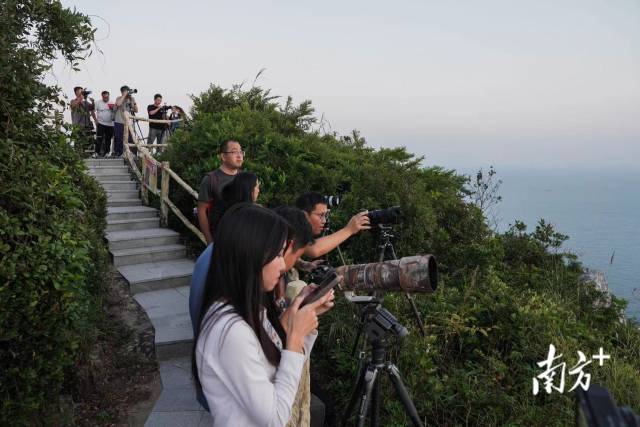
point(600, 282)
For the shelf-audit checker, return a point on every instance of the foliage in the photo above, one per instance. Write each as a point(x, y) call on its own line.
point(503, 298)
point(52, 217)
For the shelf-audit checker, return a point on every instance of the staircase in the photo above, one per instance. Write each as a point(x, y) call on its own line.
point(150, 258)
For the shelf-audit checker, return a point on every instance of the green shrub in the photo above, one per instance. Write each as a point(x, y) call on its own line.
point(52, 258)
point(52, 216)
point(503, 297)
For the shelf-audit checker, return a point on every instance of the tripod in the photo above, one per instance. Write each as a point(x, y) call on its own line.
point(366, 390)
point(386, 247)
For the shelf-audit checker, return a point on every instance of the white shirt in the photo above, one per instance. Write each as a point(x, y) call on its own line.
point(241, 386)
point(104, 113)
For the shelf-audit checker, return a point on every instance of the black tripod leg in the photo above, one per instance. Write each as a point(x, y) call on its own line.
point(374, 403)
point(370, 377)
point(355, 395)
point(410, 408)
point(416, 313)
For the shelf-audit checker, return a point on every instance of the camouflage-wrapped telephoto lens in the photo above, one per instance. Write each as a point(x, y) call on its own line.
point(415, 274)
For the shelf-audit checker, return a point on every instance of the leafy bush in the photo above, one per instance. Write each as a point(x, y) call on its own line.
point(52, 217)
point(503, 297)
point(52, 258)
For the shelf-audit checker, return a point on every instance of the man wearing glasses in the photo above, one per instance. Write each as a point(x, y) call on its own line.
point(231, 156)
point(316, 210)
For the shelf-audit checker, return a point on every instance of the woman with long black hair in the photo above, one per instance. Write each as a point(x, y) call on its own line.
point(248, 360)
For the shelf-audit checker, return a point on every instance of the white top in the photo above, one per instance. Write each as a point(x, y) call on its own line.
point(241, 387)
point(104, 113)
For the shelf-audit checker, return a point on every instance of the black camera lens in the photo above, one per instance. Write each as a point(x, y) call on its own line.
point(385, 216)
point(332, 201)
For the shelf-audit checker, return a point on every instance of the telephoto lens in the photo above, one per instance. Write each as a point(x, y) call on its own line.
point(417, 274)
point(332, 201)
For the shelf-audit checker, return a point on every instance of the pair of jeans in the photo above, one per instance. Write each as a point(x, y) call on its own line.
point(118, 133)
point(103, 139)
point(156, 136)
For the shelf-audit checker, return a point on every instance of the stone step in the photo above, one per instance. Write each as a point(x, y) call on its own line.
point(168, 310)
point(123, 194)
point(132, 224)
point(155, 276)
point(108, 170)
point(111, 202)
point(142, 238)
point(119, 185)
point(113, 178)
point(104, 162)
point(130, 212)
point(151, 254)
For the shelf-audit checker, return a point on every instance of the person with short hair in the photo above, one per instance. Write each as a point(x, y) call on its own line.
point(212, 184)
point(247, 358)
point(125, 102)
point(82, 111)
point(105, 113)
point(156, 111)
point(316, 210)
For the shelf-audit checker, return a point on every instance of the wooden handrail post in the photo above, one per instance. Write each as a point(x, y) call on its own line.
point(164, 194)
point(144, 190)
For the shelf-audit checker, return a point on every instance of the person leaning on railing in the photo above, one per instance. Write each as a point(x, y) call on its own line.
point(212, 184)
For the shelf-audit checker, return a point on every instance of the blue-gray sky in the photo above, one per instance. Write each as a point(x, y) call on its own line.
point(465, 83)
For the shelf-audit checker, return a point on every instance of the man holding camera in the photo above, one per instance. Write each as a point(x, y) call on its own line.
point(105, 113)
point(211, 186)
point(316, 210)
point(156, 112)
point(125, 102)
point(82, 110)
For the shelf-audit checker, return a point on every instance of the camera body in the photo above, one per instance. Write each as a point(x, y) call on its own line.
point(86, 92)
point(132, 92)
point(390, 215)
point(320, 273)
point(165, 108)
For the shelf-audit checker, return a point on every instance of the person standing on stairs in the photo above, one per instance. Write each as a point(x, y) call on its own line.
point(212, 184)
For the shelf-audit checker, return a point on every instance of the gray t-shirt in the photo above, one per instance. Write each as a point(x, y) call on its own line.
point(128, 105)
point(80, 115)
point(204, 193)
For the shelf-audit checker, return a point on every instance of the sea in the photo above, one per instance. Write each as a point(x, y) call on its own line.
point(598, 209)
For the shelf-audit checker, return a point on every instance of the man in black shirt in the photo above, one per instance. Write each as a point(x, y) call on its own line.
point(156, 130)
point(211, 186)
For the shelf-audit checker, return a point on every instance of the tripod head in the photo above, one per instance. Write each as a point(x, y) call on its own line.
point(378, 322)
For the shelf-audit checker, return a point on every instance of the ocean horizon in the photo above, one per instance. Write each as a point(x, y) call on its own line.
point(597, 209)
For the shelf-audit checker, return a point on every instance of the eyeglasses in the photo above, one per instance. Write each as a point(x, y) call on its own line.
point(234, 152)
point(321, 215)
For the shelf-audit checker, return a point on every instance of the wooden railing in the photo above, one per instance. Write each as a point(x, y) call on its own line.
point(149, 163)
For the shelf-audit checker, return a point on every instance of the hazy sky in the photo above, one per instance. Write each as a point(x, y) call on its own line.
point(465, 83)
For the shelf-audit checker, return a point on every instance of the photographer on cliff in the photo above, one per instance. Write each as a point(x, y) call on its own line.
point(315, 207)
point(157, 111)
point(125, 102)
point(82, 111)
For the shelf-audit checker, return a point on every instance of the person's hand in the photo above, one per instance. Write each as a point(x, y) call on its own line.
point(92, 100)
point(358, 222)
point(328, 298)
point(307, 266)
point(301, 321)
